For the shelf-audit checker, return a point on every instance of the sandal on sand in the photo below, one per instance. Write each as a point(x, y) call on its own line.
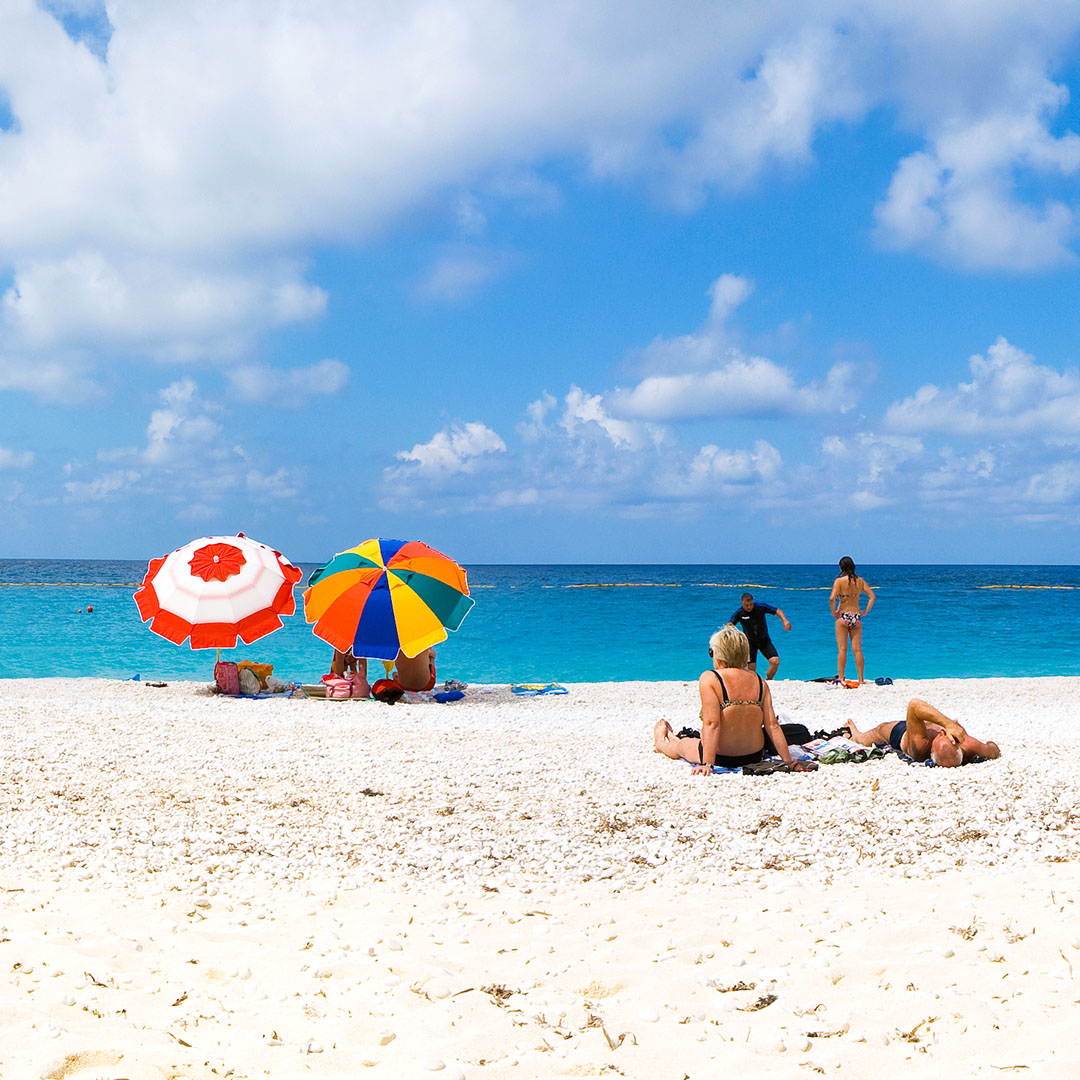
point(767, 768)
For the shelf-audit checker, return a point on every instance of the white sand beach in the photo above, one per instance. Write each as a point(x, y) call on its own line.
point(195, 887)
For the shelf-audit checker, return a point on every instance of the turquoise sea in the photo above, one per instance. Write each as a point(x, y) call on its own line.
point(588, 623)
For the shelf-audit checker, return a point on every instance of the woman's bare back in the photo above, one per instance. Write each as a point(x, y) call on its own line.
point(847, 594)
point(740, 724)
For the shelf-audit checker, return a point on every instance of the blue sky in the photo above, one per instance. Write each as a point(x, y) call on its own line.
point(584, 283)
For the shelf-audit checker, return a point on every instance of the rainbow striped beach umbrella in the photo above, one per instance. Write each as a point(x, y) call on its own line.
point(386, 595)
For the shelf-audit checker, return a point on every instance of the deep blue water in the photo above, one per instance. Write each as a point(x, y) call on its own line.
point(535, 623)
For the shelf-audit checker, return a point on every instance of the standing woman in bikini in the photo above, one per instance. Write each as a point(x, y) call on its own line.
point(844, 606)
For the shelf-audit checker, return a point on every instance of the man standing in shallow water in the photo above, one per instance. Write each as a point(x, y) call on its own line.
point(926, 733)
point(750, 618)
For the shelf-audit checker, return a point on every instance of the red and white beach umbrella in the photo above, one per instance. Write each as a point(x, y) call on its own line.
point(216, 589)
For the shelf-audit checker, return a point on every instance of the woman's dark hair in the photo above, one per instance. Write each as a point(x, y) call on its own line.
point(847, 566)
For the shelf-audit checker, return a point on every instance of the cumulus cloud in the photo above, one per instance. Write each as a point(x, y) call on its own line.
point(152, 194)
point(744, 386)
point(460, 448)
point(723, 470)
point(703, 374)
point(708, 345)
point(1009, 394)
point(959, 200)
point(572, 454)
point(586, 412)
point(188, 463)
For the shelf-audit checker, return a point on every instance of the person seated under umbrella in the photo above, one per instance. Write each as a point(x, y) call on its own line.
point(414, 672)
point(409, 672)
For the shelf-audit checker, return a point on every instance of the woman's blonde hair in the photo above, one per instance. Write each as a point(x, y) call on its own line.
point(730, 647)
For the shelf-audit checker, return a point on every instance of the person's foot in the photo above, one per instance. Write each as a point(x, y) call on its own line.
point(995, 751)
point(661, 733)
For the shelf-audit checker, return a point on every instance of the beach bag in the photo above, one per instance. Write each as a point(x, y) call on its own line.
point(356, 681)
point(336, 687)
point(227, 677)
point(386, 690)
point(796, 734)
point(249, 682)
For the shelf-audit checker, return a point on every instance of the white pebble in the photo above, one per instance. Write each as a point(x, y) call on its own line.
point(434, 1065)
point(66, 999)
point(650, 1016)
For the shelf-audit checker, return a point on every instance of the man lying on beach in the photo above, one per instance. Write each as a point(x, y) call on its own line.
point(736, 712)
point(926, 733)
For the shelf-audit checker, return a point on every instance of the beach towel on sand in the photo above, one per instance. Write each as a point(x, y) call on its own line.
point(536, 689)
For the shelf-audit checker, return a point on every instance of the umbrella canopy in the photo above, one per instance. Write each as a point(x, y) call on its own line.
point(216, 589)
point(386, 595)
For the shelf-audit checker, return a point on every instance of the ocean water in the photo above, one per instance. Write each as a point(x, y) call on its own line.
point(587, 623)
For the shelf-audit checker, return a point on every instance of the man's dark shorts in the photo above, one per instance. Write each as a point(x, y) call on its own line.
point(764, 646)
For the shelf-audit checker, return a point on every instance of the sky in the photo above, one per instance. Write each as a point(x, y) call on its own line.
point(563, 282)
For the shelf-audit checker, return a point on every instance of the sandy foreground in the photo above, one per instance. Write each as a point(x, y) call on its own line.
point(194, 887)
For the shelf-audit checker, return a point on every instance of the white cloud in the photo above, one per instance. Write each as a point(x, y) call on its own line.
point(534, 427)
point(1056, 485)
point(149, 304)
point(274, 386)
point(154, 197)
point(456, 274)
point(805, 79)
point(959, 201)
point(48, 379)
point(283, 483)
point(218, 129)
point(103, 487)
point(715, 469)
point(460, 448)
point(704, 374)
point(1009, 394)
point(744, 386)
point(587, 412)
point(189, 466)
point(15, 459)
point(180, 428)
point(709, 345)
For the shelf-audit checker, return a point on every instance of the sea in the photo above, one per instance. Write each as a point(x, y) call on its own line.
point(585, 623)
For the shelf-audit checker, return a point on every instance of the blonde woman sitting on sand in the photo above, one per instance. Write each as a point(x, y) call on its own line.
point(736, 712)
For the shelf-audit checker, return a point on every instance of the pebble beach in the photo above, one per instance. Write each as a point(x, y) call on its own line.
point(197, 887)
